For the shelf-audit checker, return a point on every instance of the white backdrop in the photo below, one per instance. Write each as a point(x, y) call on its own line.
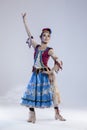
point(68, 21)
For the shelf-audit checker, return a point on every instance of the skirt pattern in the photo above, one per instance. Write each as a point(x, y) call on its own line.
point(38, 92)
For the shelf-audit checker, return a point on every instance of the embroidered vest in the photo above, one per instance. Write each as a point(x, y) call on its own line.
point(45, 56)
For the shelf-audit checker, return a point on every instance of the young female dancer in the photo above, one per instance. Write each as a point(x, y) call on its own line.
point(42, 90)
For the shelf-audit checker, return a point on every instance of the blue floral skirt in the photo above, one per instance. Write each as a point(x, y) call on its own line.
point(38, 92)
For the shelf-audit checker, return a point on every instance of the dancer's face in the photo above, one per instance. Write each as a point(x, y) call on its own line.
point(45, 37)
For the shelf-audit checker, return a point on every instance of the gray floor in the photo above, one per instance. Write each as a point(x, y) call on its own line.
point(15, 118)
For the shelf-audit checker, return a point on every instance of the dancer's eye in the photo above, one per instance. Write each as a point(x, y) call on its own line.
point(46, 35)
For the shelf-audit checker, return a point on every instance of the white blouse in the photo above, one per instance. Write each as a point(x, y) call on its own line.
point(37, 64)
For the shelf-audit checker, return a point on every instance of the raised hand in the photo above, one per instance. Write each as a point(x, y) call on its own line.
point(23, 15)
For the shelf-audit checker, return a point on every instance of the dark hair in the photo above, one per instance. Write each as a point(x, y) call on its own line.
point(45, 29)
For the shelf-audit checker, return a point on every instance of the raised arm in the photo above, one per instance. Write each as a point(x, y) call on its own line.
point(31, 40)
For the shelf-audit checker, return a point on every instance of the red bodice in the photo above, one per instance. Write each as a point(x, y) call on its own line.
point(45, 56)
